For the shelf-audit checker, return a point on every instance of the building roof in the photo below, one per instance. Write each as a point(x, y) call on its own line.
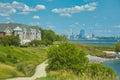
point(17, 29)
point(14, 26)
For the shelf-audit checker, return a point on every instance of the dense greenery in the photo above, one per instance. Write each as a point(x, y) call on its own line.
point(66, 59)
point(10, 41)
point(15, 61)
point(52, 36)
point(66, 56)
point(91, 50)
point(117, 47)
point(104, 48)
point(40, 43)
point(96, 72)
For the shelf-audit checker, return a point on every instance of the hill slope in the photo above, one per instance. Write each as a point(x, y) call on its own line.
point(15, 61)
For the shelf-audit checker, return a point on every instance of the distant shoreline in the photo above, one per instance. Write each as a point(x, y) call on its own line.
point(96, 59)
point(99, 42)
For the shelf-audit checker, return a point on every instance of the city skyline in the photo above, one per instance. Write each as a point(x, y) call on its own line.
point(100, 17)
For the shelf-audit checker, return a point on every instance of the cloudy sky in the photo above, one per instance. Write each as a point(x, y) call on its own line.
point(101, 17)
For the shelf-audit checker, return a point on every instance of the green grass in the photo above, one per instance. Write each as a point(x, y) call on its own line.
point(93, 72)
point(104, 48)
point(64, 75)
point(8, 71)
point(91, 50)
point(21, 61)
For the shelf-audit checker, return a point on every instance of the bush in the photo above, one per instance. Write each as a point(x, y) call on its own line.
point(99, 69)
point(66, 56)
point(35, 43)
point(26, 67)
point(40, 42)
point(117, 47)
point(10, 41)
point(24, 45)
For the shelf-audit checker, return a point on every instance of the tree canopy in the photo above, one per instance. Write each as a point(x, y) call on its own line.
point(117, 47)
point(66, 56)
point(10, 40)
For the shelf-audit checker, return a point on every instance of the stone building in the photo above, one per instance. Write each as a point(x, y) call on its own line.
point(25, 33)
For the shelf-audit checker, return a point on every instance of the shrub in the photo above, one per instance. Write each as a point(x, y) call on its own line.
point(100, 72)
point(117, 47)
point(66, 56)
point(35, 43)
point(10, 40)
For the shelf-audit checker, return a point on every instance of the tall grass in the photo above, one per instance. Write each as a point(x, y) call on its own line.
point(22, 60)
point(64, 75)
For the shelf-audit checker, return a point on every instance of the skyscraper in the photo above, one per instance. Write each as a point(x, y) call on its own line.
point(82, 33)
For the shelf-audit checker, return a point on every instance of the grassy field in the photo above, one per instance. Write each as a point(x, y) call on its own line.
point(94, 72)
point(16, 61)
point(69, 75)
point(92, 50)
point(104, 48)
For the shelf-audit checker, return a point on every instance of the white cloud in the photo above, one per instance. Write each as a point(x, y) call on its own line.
point(116, 26)
point(36, 17)
point(75, 9)
point(25, 7)
point(51, 27)
point(24, 13)
point(40, 7)
point(65, 14)
point(7, 9)
point(8, 18)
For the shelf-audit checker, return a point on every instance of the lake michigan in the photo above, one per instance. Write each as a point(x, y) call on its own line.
point(115, 64)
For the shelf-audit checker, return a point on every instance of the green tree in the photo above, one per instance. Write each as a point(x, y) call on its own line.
point(49, 35)
point(10, 40)
point(117, 47)
point(66, 56)
point(35, 43)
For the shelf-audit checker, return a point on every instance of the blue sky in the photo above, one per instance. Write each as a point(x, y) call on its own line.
point(101, 17)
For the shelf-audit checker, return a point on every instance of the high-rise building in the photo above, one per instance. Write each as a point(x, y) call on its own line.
point(82, 33)
point(69, 33)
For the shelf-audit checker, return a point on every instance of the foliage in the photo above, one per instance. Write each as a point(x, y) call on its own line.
point(22, 60)
point(49, 35)
point(117, 47)
point(66, 56)
point(35, 42)
point(26, 68)
point(8, 71)
point(68, 75)
point(40, 42)
point(97, 70)
point(93, 72)
point(10, 40)
point(104, 48)
point(24, 45)
point(91, 50)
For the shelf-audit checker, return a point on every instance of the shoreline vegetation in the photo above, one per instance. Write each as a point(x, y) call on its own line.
point(94, 70)
point(39, 54)
point(17, 61)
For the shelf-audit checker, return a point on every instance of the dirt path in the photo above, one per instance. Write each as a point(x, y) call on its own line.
point(40, 72)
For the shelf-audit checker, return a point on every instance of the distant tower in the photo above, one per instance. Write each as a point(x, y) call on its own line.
point(72, 37)
point(82, 33)
point(69, 33)
point(92, 35)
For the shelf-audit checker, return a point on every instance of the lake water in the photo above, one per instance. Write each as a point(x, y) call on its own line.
point(115, 65)
point(102, 42)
